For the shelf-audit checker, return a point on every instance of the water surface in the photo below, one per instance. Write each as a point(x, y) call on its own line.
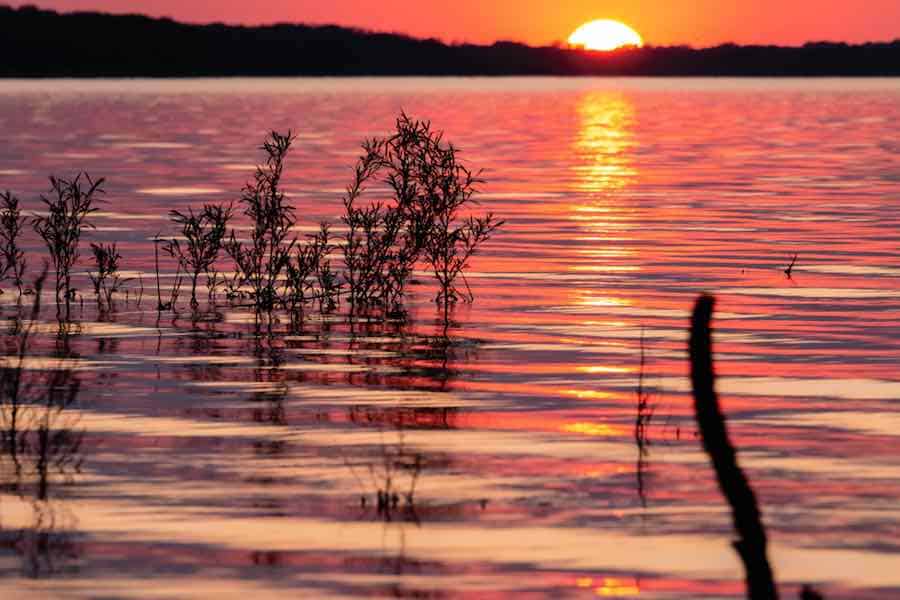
point(193, 458)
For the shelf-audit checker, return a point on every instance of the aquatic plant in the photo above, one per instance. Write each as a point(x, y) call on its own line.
point(789, 270)
point(204, 234)
point(329, 289)
point(300, 278)
point(642, 421)
point(450, 247)
point(175, 290)
point(106, 278)
point(423, 219)
point(421, 224)
point(262, 260)
point(451, 239)
point(12, 258)
point(68, 208)
point(377, 258)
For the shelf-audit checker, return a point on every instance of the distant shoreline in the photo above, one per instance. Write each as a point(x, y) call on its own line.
point(43, 44)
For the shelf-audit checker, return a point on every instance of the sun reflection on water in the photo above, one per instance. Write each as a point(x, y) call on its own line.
point(610, 587)
point(604, 148)
point(594, 429)
point(605, 142)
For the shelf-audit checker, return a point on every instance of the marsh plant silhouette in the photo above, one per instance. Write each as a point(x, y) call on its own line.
point(789, 270)
point(261, 262)
point(12, 257)
point(70, 204)
point(424, 221)
point(175, 290)
point(642, 420)
point(421, 223)
point(203, 235)
point(106, 278)
point(310, 278)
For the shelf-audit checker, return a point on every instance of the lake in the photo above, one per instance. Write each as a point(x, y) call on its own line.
point(190, 458)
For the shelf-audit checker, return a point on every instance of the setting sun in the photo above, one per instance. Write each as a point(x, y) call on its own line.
point(605, 34)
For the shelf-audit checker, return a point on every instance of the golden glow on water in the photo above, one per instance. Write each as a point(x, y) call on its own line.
point(605, 144)
point(598, 429)
point(589, 299)
point(618, 588)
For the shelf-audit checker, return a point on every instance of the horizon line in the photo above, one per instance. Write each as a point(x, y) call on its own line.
point(561, 44)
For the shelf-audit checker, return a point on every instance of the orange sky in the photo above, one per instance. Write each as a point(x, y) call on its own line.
point(661, 22)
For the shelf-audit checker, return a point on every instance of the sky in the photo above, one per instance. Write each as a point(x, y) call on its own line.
point(537, 22)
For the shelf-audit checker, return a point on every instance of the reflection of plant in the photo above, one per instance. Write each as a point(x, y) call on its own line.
point(33, 420)
point(39, 440)
point(46, 546)
point(68, 209)
point(12, 258)
point(204, 234)
point(106, 279)
point(395, 472)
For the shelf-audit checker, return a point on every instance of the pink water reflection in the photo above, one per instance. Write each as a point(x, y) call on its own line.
point(241, 471)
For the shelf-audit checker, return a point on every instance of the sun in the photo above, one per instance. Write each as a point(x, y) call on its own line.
point(605, 34)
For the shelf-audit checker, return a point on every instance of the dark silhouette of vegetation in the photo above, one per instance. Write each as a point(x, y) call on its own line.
point(452, 240)
point(94, 44)
point(175, 291)
point(326, 278)
point(642, 421)
point(421, 222)
point(71, 203)
point(789, 271)
point(262, 261)
point(302, 277)
point(204, 234)
point(106, 278)
point(12, 257)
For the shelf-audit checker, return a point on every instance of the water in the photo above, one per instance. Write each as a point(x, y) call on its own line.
point(190, 460)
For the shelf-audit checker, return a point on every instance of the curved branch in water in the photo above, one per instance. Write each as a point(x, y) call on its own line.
point(751, 542)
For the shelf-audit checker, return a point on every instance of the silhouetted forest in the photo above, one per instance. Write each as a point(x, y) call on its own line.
point(40, 43)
